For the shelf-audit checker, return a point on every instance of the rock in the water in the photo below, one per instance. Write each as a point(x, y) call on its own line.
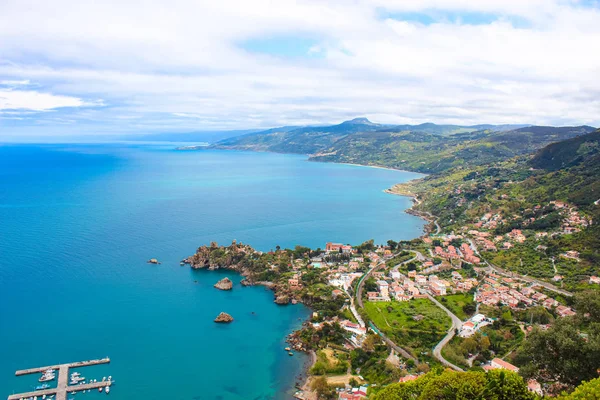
point(153, 261)
point(282, 300)
point(224, 284)
point(224, 317)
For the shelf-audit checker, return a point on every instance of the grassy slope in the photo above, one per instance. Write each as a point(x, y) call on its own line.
point(400, 326)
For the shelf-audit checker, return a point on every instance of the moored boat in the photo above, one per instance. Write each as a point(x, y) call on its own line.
point(48, 375)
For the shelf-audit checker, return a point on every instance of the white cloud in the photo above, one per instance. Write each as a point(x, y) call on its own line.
point(24, 82)
point(36, 101)
point(176, 64)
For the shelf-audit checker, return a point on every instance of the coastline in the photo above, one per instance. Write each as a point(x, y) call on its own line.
point(304, 380)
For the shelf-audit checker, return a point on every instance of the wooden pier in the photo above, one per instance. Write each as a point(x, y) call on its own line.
point(62, 388)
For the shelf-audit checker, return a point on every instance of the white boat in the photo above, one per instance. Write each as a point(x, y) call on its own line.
point(47, 376)
point(107, 389)
point(99, 389)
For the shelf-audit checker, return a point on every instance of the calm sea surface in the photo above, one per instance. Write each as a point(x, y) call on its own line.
point(78, 222)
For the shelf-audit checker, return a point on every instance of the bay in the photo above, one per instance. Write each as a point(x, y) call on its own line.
point(79, 221)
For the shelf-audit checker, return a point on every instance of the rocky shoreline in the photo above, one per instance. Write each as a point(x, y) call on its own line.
point(233, 259)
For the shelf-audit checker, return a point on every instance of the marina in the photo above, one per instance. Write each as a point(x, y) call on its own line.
point(63, 387)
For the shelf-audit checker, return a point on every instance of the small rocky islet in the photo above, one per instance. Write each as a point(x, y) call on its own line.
point(223, 317)
point(224, 284)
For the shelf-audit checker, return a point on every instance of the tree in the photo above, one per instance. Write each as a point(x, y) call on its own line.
point(588, 302)
point(505, 385)
point(451, 385)
point(320, 386)
point(353, 382)
point(586, 391)
point(469, 308)
point(392, 244)
point(562, 354)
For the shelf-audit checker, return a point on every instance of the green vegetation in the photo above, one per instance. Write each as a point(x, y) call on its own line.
point(461, 304)
point(452, 385)
point(400, 258)
point(519, 191)
point(418, 324)
point(370, 360)
point(569, 351)
point(424, 148)
point(330, 361)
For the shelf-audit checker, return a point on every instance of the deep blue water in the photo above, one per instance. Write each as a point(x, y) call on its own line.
point(78, 222)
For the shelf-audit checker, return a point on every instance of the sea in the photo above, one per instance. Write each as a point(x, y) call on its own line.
point(78, 223)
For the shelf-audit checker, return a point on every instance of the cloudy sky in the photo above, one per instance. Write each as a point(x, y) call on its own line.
point(111, 67)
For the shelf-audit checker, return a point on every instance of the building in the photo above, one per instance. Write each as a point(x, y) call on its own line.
point(535, 387)
point(498, 363)
point(408, 378)
point(438, 288)
point(564, 311)
point(383, 288)
point(595, 279)
point(333, 247)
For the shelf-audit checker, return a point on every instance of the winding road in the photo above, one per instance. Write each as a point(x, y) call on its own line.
point(456, 324)
point(359, 292)
point(509, 274)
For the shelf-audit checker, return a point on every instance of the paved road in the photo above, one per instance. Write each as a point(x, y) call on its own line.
point(387, 340)
point(456, 324)
point(510, 274)
point(354, 311)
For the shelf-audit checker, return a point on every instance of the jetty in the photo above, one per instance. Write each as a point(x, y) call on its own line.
point(62, 388)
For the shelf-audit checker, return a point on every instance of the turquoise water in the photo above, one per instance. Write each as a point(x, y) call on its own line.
point(78, 222)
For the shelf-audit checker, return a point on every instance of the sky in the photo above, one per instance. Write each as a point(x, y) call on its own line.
point(113, 67)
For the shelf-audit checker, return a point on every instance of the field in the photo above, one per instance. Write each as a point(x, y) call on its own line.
point(456, 302)
point(417, 324)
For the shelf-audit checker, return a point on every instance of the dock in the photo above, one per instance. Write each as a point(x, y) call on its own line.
point(58, 366)
point(62, 388)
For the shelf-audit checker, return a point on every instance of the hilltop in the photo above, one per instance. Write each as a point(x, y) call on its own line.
point(425, 148)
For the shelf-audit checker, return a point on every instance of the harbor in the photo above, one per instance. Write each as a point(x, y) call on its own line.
point(65, 384)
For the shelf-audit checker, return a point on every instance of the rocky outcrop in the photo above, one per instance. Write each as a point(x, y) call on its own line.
point(153, 261)
point(224, 318)
point(215, 256)
point(282, 299)
point(224, 284)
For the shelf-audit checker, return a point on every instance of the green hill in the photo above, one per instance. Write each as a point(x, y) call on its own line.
point(520, 190)
point(425, 148)
point(423, 152)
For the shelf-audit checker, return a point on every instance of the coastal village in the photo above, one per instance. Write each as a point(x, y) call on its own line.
point(386, 313)
point(357, 285)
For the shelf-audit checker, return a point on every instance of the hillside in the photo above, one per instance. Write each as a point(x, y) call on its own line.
point(522, 193)
point(429, 153)
point(426, 148)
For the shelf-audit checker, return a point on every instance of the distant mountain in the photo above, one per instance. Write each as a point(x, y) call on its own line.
point(311, 139)
point(432, 128)
point(303, 140)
